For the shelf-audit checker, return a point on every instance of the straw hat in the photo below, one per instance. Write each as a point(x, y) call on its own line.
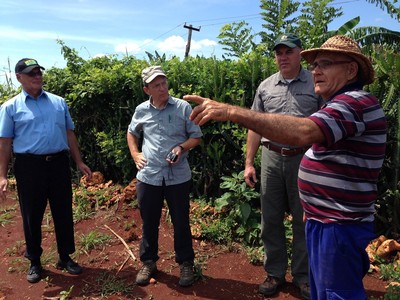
point(344, 45)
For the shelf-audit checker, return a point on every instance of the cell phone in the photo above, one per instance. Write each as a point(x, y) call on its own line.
point(172, 156)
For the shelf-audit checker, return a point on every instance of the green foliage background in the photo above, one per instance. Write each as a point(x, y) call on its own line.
point(103, 92)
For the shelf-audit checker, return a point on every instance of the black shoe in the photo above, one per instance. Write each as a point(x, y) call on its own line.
point(71, 267)
point(187, 275)
point(270, 286)
point(34, 273)
point(304, 290)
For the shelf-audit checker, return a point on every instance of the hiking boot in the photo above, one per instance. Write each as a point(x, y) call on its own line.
point(144, 275)
point(270, 286)
point(187, 275)
point(71, 266)
point(34, 274)
point(304, 290)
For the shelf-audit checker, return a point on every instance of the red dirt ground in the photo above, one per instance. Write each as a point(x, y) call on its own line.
point(226, 275)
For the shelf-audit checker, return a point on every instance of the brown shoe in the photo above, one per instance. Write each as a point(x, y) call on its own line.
point(270, 285)
point(304, 290)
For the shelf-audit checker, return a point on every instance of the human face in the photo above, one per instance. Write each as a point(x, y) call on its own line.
point(288, 61)
point(158, 89)
point(31, 82)
point(331, 72)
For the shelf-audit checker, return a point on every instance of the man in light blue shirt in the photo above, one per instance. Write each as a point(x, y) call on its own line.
point(36, 125)
point(163, 171)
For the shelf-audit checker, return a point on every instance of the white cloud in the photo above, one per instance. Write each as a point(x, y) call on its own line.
point(130, 47)
point(203, 43)
point(172, 44)
point(177, 45)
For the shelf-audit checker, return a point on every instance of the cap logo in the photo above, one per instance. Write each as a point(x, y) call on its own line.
point(30, 62)
point(284, 37)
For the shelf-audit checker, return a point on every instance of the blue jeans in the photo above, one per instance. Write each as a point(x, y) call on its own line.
point(151, 201)
point(338, 260)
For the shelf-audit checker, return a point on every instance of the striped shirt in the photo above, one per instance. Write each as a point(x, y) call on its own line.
point(338, 179)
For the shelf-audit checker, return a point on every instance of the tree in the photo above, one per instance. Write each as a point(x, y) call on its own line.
point(277, 19)
point(237, 38)
point(313, 22)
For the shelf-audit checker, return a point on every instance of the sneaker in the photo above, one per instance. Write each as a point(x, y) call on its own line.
point(144, 275)
point(34, 274)
point(270, 286)
point(187, 275)
point(304, 290)
point(71, 267)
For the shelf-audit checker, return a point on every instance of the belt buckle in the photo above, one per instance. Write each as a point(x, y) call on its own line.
point(48, 157)
point(284, 149)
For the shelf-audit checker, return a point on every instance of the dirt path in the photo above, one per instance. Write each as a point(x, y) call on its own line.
point(225, 275)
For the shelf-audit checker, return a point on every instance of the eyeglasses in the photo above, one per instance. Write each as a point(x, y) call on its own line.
point(325, 64)
point(34, 73)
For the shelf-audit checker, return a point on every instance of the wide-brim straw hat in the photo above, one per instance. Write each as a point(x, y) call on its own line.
point(344, 45)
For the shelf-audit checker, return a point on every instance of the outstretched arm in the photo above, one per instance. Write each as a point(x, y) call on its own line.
point(283, 129)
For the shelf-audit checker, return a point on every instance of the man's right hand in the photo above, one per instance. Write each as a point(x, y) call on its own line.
point(3, 188)
point(140, 161)
point(250, 176)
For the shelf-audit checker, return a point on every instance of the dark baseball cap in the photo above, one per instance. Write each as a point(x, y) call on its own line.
point(288, 39)
point(26, 65)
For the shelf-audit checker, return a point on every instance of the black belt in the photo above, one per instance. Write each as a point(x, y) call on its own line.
point(46, 157)
point(285, 151)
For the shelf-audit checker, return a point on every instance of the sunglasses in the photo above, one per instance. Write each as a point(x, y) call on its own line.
point(34, 73)
point(325, 64)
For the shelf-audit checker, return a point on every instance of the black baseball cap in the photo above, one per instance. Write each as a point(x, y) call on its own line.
point(26, 65)
point(288, 39)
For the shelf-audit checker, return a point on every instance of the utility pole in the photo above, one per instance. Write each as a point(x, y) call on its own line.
point(190, 28)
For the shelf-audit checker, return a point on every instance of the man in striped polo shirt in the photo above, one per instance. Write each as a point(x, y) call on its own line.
point(338, 175)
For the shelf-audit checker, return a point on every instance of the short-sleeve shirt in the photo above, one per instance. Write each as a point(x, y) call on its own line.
point(338, 178)
point(295, 98)
point(161, 131)
point(37, 126)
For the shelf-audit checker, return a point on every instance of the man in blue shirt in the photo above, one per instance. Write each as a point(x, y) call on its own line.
point(36, 125)
point(163, 171)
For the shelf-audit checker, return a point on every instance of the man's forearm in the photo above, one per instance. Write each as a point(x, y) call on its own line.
point(5, 156)
point(278, 128)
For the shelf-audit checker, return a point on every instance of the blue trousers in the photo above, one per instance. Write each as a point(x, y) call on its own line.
point(151, 201)
point(338, 260)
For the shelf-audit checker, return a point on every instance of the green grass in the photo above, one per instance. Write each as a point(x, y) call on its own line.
point(93, 240)
point(108, 284)
point(7, 214)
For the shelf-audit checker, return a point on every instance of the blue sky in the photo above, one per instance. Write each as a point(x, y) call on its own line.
point(30, 28)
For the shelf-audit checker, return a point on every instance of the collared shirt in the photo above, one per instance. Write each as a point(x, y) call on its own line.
point(162, 130)
point(36, 126)
point(295, 98)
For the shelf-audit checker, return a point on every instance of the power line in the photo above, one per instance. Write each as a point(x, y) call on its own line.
point(221, 23)
point(218, 19)
point(237, 18)
point(343, 2)
point(161, 35)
